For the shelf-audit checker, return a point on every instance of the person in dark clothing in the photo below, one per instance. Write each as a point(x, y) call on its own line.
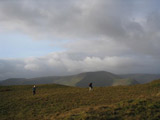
point(90, 86)
point(34, 90)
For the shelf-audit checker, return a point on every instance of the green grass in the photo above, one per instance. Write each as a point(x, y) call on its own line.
point(123, 81)
point(57, 102)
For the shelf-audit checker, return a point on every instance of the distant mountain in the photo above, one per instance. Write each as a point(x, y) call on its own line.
point(103, 78)
point(13, 81)
point(100, 78)
point(141, 78)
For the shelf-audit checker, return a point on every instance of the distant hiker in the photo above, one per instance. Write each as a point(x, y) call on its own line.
point(90, 86)
point(34, 90)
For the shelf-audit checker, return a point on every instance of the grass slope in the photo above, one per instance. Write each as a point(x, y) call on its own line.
point(100, 78)
point(142, 78)
point(58, 102)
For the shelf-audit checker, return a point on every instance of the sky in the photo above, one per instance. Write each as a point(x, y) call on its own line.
point(64, 37)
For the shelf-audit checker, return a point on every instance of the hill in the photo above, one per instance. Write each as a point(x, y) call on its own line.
point(100, 78)
point(141, 78)
point(58, 102)
point(103, 78)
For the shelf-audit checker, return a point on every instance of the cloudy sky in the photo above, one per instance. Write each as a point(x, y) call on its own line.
point(62, 37)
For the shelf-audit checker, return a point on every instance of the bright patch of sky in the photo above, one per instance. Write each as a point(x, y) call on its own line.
point(18, 45)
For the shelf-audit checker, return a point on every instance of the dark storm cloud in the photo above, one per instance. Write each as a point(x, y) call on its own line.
point(114, 35)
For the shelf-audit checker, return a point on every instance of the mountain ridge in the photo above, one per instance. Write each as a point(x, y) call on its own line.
point(141, 78)
point(98, 78)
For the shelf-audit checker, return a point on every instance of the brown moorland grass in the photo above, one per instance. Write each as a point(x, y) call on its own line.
point(58, 102)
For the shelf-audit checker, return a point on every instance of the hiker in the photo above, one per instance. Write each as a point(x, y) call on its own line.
point(34, 90)
point(90, 86)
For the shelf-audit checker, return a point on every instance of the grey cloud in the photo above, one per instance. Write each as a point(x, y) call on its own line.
point(115, 35)
point(66, 19)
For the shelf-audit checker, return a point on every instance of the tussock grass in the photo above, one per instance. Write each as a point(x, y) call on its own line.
point(60, 102)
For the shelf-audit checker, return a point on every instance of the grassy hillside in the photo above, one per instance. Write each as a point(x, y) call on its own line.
point(97, 78)
point(57, 102)
point(126, 81)
point(142, 78)
point(100, 78)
